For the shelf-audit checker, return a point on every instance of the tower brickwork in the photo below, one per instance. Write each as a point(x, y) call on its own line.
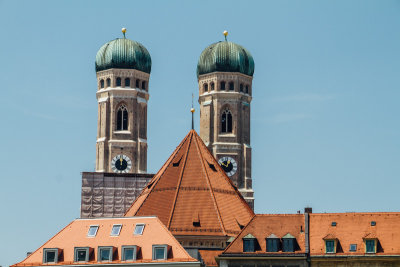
point(122, 120)
point(225, 74)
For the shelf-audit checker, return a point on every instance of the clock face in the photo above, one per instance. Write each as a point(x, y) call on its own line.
point(121, 164)
point(229, 165)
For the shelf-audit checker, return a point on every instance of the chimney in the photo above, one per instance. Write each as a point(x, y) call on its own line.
point(307, 210)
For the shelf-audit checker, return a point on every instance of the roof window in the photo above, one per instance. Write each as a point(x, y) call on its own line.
point(129, 253)
point(333, 223)
point(353, 247)
point(288, 243)
point(139, 229)
point(273, 243)
point(50, 255)
point(81, 254)
point(159, 252)
point(373, 223)
point(92, 231)
point(330, 246)
point(249, 243)
point(105, 254)
point(370, 246)
point(116, 229)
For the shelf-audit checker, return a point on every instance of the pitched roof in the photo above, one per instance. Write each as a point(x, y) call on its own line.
point(75, 234)
point(192, 195)
point(208, 257)
point(264, 225)
point(353, 228)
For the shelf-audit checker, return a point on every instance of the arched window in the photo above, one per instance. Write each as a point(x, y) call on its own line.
point(241, 87)
point(137, 83)
point(205, 87)
point(212, 86)
point(118, 81)
point(122, 118)
point(144, 85)
point(226, 121)
point(108, 82)
point(127, 82)
point(102, 83)
point(222, 86)
point(247, 89)
point(231, 86)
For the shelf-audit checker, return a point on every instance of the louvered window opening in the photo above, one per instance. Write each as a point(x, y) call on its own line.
point(122, 118)
point(226, 122)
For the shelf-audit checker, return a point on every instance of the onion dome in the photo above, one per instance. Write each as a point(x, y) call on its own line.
point(123, 53)
point(225, 57)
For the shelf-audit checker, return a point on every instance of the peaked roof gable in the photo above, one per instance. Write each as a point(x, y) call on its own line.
point(192, 195)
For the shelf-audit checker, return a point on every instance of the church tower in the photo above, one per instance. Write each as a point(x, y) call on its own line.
point(225, 73)
point(123, 70)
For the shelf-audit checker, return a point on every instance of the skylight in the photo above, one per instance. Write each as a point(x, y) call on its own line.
point(138, 229)
point(92, 230)
point(116, 229)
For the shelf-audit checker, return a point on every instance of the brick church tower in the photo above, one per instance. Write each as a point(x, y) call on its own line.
point(123, 71)
point(225, 73)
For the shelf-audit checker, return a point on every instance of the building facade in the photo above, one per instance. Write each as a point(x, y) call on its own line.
point(225, 73)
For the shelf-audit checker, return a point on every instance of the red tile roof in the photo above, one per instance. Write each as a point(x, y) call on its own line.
point(263, 225)
point(353, 228)
point(192, 195)
point(75, 235)
point(208, 257)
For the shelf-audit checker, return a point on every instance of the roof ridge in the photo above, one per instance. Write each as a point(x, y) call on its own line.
point(180, 180)
point(238, 194)
point(157, 176)
point(209, 185)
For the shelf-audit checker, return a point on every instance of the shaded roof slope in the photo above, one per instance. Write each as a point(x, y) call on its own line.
point(192, 195)
point(353, 228)
point(76, 235)
point(264, 225)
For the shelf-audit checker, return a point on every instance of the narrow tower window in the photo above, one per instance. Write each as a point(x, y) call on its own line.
point(137, 83)
point(231, 86)
point(222, 86)
point(127, 82)
point(241, 87)
point(118, 81)
point(144, 85)
point(226, 121)
point(108, 82)
point(205, 87)
point(102, 83)
point(122, 118)
point(247, 89)
point(212, 86)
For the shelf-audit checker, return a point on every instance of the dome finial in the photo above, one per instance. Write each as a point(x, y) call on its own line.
point(226, 34)
point(123, 31)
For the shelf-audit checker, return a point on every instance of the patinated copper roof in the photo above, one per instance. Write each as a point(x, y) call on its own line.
point(192, 195)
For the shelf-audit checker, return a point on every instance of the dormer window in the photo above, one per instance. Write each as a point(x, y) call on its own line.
point(92, 230)
point(249, 243)
point(272, 243)
point(105, 254)
point(159, 252)
point(330, 246)
point(288, 243)
point(129, 253)
point(139, 229)
point(81, 254)
point(116, 229)
point(370, 246)
point(50, 255)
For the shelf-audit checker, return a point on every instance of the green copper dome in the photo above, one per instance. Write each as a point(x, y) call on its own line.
point(225, 57)
point(123, 53)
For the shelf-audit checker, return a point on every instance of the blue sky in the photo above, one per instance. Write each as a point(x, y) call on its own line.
point(325, 125)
